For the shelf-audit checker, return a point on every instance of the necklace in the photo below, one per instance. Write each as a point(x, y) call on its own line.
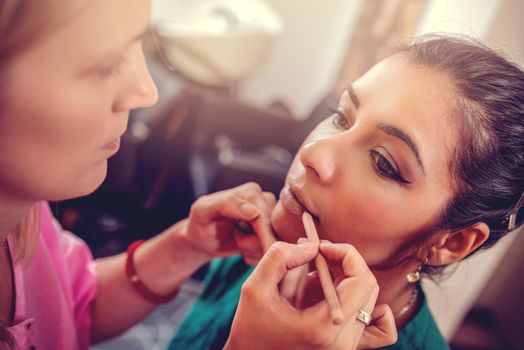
point(411, 301)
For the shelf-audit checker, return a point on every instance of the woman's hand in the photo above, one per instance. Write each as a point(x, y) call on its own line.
point(350, 271)
point(212, 224)
point(265, 319)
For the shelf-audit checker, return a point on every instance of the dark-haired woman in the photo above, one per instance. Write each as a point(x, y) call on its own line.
point(421, 165)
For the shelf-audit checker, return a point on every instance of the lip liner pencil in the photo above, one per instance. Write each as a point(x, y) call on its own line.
point(337, 316)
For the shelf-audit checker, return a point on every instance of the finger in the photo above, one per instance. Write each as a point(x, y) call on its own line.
point(248, 245)
point(280, 258)
point(231, 203)
point(353, 295)
point(260, 230)
point(270, 199)
point(264, 232)
point(249, 187)
point(382, 331)
point(223, 204)
point(369, 305)
point(265, 201)
point(357, 288)
point(346, 256)
point(288, 290)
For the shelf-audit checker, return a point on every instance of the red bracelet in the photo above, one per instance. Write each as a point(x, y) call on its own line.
point(137, 284)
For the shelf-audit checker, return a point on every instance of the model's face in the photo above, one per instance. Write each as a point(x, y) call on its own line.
point(68, 99)
point(375, 173)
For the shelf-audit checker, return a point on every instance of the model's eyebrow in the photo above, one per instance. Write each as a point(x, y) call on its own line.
point(391, 130)
point(404, 137)
point(353, 96)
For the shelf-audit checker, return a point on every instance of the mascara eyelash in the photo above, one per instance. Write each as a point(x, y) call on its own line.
point(341, 115)
point(375, 154)
point(396, 174)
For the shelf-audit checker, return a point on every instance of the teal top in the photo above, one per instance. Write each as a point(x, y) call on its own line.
point(207, 324)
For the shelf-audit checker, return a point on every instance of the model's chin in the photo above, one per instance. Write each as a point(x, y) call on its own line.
point(287, 227)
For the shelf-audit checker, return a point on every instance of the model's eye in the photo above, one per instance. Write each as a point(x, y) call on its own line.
point(339, 120)
point(384, 167)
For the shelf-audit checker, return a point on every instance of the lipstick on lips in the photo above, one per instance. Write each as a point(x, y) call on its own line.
point(292, 202)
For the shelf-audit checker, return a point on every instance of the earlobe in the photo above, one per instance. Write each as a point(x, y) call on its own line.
point(455, 246)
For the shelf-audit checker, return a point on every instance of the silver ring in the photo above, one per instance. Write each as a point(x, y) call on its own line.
point(364, 317)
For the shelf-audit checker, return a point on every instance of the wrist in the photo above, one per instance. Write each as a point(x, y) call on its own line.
point(136, 282)
point(167, 260)
point(184, 245)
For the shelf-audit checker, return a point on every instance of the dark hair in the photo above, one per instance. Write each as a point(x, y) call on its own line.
point(487, 167)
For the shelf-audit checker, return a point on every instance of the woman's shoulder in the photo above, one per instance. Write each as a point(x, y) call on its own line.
point(421, 332)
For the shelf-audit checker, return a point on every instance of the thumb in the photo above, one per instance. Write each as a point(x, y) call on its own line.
point(279, 259)
point(382, 331)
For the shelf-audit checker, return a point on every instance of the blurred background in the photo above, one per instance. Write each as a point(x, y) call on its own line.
point(241, 83)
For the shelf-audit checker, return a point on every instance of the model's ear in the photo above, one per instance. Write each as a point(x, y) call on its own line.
point(455, 246)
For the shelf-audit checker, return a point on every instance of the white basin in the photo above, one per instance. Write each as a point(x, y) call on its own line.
point(218, 42)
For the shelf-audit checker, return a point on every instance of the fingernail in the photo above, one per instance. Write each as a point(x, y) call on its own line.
point(307, 245)
point(312, 274)
point(248, 209)
point(302, 240)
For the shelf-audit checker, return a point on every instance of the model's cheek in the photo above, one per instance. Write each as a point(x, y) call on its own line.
point(350, 217)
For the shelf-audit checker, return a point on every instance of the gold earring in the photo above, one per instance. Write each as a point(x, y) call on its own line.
point(414, 277)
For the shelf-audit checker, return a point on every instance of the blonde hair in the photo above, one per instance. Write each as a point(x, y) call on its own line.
point(22, 23)
point(26, 235)
point(24, 239)
point(19, 26)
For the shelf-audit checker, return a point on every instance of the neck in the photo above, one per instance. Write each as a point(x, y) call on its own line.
point(12, 211)
point(397, 292)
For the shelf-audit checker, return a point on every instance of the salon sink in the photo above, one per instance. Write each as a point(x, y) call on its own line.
point(217, 43)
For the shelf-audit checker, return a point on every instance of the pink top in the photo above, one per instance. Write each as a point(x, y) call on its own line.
point(54, 291)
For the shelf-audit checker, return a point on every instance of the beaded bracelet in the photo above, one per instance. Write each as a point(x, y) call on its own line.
point(137, 284)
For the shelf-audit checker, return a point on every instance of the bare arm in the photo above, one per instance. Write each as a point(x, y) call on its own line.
point(162, 263)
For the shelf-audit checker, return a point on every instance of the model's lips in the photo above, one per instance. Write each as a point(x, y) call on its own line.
point(292, 201)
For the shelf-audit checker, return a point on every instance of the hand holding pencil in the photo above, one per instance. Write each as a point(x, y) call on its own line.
point(328, 288)
point(265, 319)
